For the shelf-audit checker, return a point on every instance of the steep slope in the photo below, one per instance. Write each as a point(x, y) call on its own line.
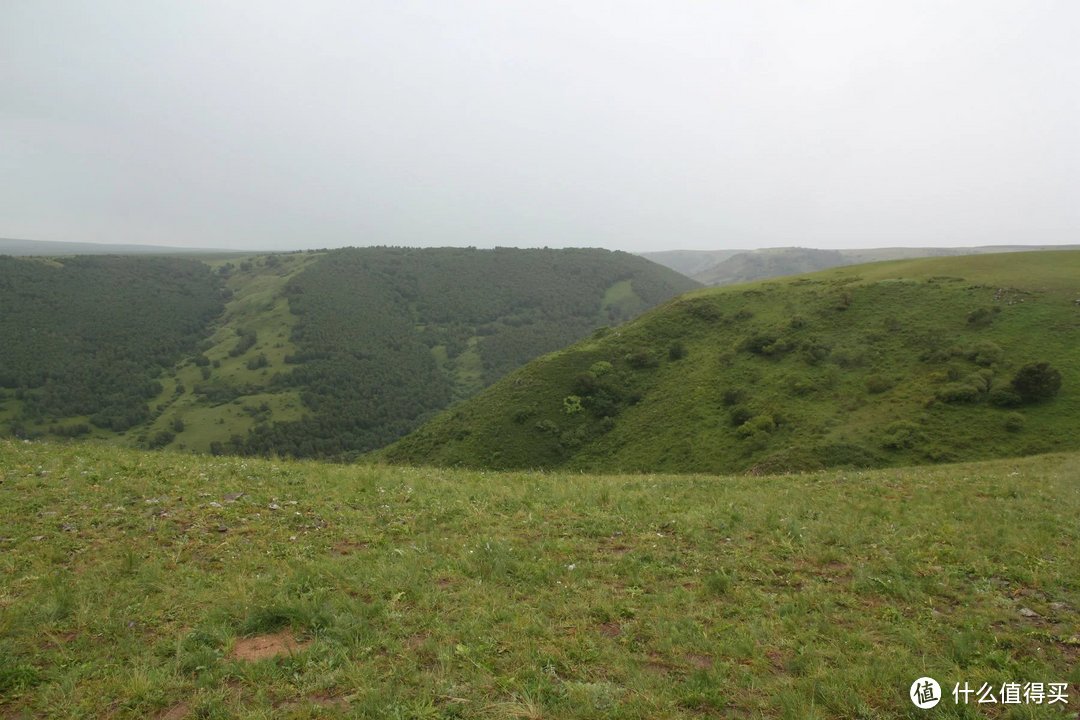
point(310, 354)
point(886, 364)
point(388, 336)
point(86, 338)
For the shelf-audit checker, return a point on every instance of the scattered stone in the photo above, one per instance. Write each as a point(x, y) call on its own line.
point(68, 527)
point(214, 504)
point(274, 506)
point(1029, 613)
point(222, 529)
point(38, 538)
point(233, 497)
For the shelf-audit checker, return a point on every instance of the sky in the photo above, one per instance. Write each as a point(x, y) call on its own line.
point(641, 126)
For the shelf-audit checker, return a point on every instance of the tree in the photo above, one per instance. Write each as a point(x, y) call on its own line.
point(1037, 381)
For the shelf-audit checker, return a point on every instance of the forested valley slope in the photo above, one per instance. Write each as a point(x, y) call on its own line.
point(312, 354)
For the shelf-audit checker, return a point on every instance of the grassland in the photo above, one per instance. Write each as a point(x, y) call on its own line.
point(257, 304)
point(134, 584)
point(888, 364)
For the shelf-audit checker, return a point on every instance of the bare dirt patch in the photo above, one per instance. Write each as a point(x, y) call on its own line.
point(609, 629)
point(261, 647)
point(176, 712)
point(348, 547)
point(702, 662)
point(415, 642)
point(326, 700)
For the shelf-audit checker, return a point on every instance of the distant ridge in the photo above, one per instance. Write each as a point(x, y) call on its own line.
point(9, 246)
point(731, 267)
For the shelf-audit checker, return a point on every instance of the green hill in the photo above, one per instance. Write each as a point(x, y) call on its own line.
point(167, 585)
point(887, 364)
point(305, 354)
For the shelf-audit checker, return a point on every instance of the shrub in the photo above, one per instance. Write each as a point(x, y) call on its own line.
point(902, 435)
point(571, 404)
point(757, 425)
point(849, 357)
point(766, 343)
point(876, 384)
point(676, 351)
point(1037, 381)
point(958, 392)
point(641, 358)
point(814, 351)
point(547, 426)
point(585, 384)
point(161, 439)
point(259, 361)
point(733, 396)
point(1005, 397)
point(740, 415)
point(800, 385)
point(601, 368)
point(981, 317)
point(985, 353)
point(1014, 422)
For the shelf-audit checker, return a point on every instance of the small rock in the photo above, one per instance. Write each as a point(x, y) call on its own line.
point(1029, 613)
point(233, 497)
point(38, 538)
point(222, 529)
point(216, 504)
point(68, 527)
point(274, 506)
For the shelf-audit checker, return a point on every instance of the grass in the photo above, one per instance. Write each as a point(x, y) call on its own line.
point(888, 364)
point(127, 580)
point(258, 304)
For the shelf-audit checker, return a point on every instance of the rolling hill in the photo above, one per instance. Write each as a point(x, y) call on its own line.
point(304, 354)
point(887, 364)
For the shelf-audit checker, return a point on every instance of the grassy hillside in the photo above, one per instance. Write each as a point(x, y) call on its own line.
point(303, 354)
point(887, 364)
point(162, 585)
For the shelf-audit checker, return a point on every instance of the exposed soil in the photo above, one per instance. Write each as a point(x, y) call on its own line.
point(176, 712)
point(261, 647)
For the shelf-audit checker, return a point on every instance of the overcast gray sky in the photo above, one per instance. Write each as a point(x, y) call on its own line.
point(622, 124)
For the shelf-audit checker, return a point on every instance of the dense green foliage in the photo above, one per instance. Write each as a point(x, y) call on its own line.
point(876, 365)
point(89, 336)
point(387, 336)
point(131, 581)
point(311, 354)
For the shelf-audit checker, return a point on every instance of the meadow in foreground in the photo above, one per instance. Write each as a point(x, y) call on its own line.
point(135, 584)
